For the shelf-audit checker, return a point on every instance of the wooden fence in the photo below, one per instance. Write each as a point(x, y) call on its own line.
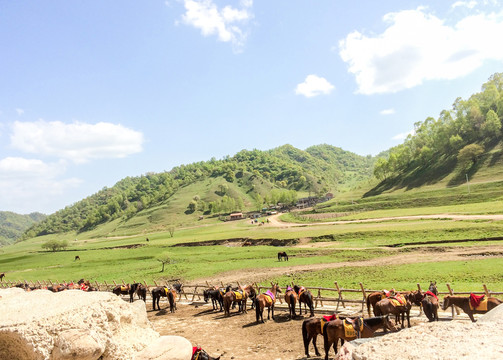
point(325, 299)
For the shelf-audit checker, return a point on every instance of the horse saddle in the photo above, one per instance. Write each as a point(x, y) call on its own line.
point(238, 295)
point(478, 303)
point(166, 291)
point(302, 290)
point(398, 300)
point(327, 318)
point(124, 288)
point(268, 299)
point(349, 327)
point(221, 291)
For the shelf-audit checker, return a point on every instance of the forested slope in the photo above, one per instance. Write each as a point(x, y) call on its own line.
point(13, 225)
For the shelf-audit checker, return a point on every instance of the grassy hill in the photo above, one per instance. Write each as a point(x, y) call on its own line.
point(13, 225)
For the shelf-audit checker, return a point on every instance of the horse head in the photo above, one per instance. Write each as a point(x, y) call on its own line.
point(446, 303)
point(433, 287)
point(388, 324)
point(206, 295)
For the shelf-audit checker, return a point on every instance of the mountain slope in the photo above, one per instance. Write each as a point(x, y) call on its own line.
point(13, 225)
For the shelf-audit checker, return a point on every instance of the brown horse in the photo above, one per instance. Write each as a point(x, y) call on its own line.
point(141, 291)
point(386, 306)
point(372, 300)
point(2, 275)
point(200, 354)
point(291, 300)
point(334, 330)
point(311, 328)
point(251, 293)
point(430, 306)
point(464, 303)
point(266, 300)
point(306, 298)
point(238, 296)
point(164, 292)
point(128, 289)
point(282, 256)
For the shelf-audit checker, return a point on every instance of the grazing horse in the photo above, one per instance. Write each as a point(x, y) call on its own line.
point(266, 300)
point(291, 299)
point(282, 256)
point(164, 292)
point(216, 298)
point(77, 257)
point(464, 303)
point(2, 275)
point(393, 306)
point(235, 296)
point(313, 327)
point(334, 330)
point(200, 354)
point(305, 297)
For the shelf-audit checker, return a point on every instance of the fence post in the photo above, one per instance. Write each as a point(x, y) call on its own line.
point(340, 299)
point(318, 297)
point(486, 291)
point(420, 306)
point(364, 299)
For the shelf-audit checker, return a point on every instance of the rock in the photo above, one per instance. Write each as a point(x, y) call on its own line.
point(43, 325)
point(77, 344)
point(167, 348)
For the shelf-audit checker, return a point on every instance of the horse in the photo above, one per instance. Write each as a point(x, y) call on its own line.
point(266, 300)
point(306, 298)
point(235, 296)
point(386, 306)
point(311, 328)
point(430, 306)
point(282, 255)
point(128, 289)
point(251, 293)
point(291, 300)
point(77, 257)
point(2, 275)
point(216, 298)
point(433, 287)
point(164, 292)
point(334, 330)
point(464, 303)
point(200, 354)
point(372, 300)
point(141, 291)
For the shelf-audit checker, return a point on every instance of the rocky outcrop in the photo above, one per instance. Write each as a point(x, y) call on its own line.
point(73, 324)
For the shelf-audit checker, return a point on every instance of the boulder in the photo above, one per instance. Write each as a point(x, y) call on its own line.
point(72, 324)
point(167, 348)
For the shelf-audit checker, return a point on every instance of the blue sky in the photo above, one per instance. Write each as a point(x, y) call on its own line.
point(94, 91)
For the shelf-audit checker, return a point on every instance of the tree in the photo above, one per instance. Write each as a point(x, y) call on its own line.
point(469, 155)
point(55, 245)
point(171, 230)
point(492, 126)
point(192, 206)
point(164, 259)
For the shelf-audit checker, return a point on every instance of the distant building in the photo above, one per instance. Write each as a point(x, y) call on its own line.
point(236, 216)
point(307, 202)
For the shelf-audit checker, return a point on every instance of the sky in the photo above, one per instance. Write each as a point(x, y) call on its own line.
point(94, 91)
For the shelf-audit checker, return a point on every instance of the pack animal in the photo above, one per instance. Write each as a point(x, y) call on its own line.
point(463, 302)
point(162, 291)
point(266, 300)
point(305, 297)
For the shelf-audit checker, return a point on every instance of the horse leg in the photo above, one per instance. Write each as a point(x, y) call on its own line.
point(470, 314)
point(272, 311)
point(403, 319)
point(268, 313)
point(315, 347)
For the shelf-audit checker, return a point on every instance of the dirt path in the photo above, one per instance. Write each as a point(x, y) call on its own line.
point(422, 255)
point(274, 219)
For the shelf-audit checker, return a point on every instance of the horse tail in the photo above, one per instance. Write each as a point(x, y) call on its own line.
point(311, 303)
point(304, 334)
point(257, 308)
point(325, 337)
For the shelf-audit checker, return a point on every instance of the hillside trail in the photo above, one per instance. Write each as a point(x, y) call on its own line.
point(419, 255)
point(274, 219)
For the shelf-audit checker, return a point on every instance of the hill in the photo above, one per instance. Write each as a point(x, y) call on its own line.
point(13, 225)
point(249, 180)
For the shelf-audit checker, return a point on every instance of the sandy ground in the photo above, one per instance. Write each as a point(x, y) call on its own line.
point(240, 337)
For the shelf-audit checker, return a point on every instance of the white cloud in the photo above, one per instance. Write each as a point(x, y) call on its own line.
point(28, 185)
point(314, 86)
point(78, 142)
point(403, 136)
point(387, 112)
point(226, 23)
point(20, 111)
point(418, 46)
point(467, 4)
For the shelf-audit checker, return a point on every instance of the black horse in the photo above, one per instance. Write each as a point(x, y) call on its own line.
point(216, 298)
point(200, 354)
point(162, 291)
point(141, 291)
point(282, 256)
point(305, 297)
point(128, 289)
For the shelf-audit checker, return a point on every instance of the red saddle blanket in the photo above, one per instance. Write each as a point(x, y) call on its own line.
point(475, 300)
point(431, 294)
